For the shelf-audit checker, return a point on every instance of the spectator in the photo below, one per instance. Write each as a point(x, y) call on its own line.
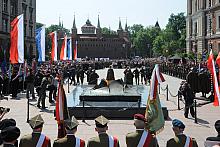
point(9, 136)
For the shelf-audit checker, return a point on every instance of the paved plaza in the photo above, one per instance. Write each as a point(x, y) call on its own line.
point(207, 115)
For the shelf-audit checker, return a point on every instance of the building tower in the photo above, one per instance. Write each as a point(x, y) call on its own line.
point(74, 29)
point(120, 30)
point(98, 29)
point(126, 33)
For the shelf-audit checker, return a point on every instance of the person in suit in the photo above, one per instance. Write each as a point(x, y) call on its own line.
point(217, 128)
point(10, 135)
point(70, 140)
point(103, 139)
point(36, 138)
point(180, 139)
point(141, 137)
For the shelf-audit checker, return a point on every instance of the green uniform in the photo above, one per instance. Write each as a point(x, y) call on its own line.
point(132, 139)
point(100, 141)
point(180, 141)
point(67, 141)
point(31, 140)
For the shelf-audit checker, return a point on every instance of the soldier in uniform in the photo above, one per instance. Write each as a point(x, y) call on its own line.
point(103, 139)
point(9, 136)
point(36, 138)
point(110, 74)
point(136, 73)
point(70, 140)
point(141, 137)
point(180, 139)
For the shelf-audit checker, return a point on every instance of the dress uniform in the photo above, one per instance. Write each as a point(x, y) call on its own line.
point(36, 138)
point(9, 136)
point(103, 139)
point(141, 137)
point(180, 139)
point(70, 140)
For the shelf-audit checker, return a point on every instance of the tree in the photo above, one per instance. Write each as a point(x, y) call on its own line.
point(108, 31)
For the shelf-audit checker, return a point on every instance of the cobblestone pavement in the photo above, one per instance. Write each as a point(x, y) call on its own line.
point(207, 115)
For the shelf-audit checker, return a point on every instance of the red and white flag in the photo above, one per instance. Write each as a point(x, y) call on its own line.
point(211, 67)
point(156, 78)
point(75, 52)
point(63, 49)
point(218, 63)
point(53, 36)
point(61, 110)
point(17, 40)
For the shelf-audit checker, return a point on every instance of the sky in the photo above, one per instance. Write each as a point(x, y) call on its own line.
point(145, 12)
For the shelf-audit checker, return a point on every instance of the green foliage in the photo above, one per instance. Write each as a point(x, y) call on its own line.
point(108, 31)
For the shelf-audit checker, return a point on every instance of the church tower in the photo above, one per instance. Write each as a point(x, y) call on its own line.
point(74, 29)
point(120, 30)
point(126, 33)
point(98, 29)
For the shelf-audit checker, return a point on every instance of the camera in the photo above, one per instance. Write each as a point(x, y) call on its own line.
point(2, 109)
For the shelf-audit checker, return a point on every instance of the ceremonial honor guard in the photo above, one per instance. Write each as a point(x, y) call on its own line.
point(70, 140)
point(36, 139)
point(103, 139)
point(141, 137)
point(180, 139)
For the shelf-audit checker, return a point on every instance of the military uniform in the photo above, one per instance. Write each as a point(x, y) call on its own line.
point(70, 140)
point(103, 139)
point(140, 137)
point(133, 139)
point(180, 139)
point(36, 138)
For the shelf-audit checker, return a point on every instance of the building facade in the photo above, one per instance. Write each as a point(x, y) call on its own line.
point(203, 26)
point(9, 9)
point(92, 43)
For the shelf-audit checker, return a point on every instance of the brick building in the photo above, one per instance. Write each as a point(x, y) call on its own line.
point(198, 35)
point(9, 9)
point(92, 43)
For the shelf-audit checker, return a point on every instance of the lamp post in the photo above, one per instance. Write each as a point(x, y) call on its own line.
point(210, 27)
point(124, 45)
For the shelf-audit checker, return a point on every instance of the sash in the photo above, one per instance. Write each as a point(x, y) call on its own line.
point(188, 142)
point(79, 143)
point(145, 139)
point(112, 141)
point(41, 140)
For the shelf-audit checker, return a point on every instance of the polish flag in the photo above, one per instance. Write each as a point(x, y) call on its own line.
point(62, 112)
point(17, 40)
point(63, 49)
point(218, 63)
point(211, 67)
point(53, 36)
point(75, 51)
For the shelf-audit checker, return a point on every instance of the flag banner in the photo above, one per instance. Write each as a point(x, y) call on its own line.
point(17, 40)
point(69, 49)
point(75, 51)
point(211, 67)
point(62, 112)
point(40, 43)
point(53, 36)
point(218, 60)
point(154, 113)
point(25, 70)
point(63, 49)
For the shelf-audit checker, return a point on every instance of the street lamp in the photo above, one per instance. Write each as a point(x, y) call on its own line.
point(148, 46)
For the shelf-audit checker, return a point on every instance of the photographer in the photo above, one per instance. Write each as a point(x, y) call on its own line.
point(3, 111)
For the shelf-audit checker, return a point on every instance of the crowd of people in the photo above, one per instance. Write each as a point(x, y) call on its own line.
point(45, 77)
point(141, 137)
